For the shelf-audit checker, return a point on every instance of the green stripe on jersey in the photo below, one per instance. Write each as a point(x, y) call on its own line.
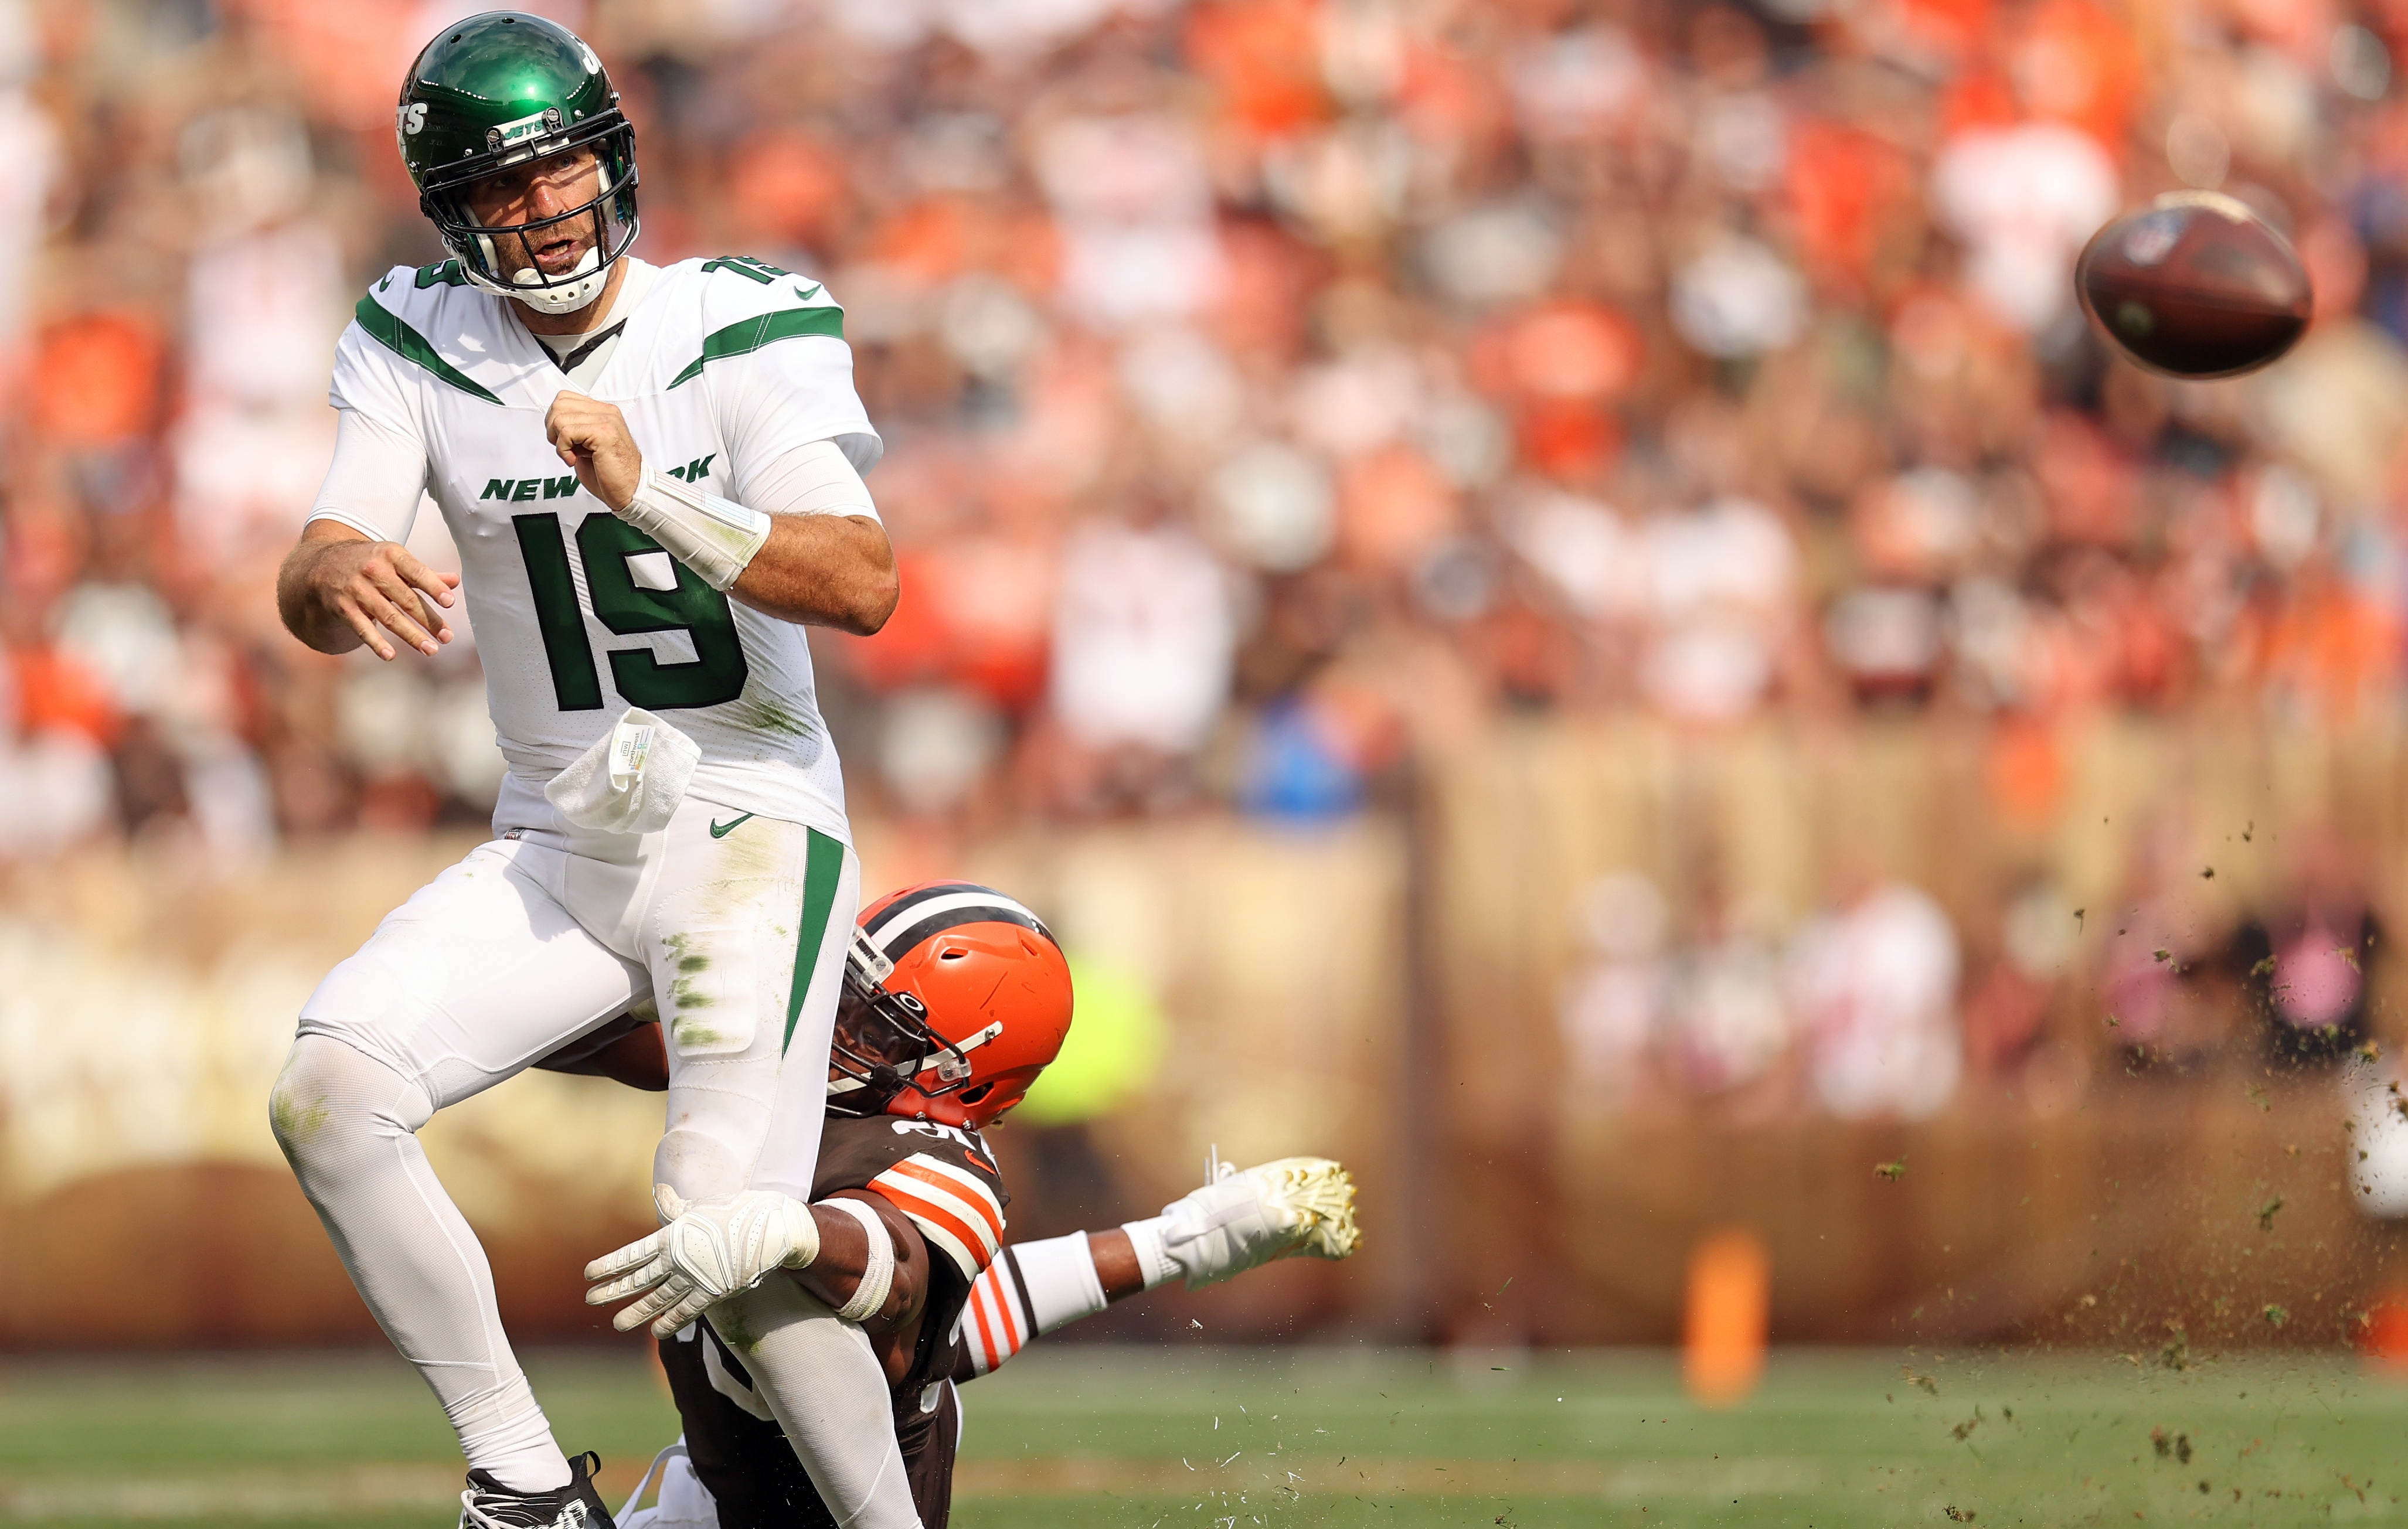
point(823, 869)
point(411, 346)
point(743, 339)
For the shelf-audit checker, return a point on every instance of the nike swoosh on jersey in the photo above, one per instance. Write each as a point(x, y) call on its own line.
point(812, 293)
point(720, 830)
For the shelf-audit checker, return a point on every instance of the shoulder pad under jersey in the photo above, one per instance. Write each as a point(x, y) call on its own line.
point(431, 319)
point(742, 305)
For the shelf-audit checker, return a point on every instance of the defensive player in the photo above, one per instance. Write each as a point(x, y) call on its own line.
point(957, 998)
point(732, 1470)
point(672, 827)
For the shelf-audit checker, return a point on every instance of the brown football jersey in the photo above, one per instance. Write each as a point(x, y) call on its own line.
point(944, 1179)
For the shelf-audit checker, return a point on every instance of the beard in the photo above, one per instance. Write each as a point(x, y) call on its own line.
point(551, 253)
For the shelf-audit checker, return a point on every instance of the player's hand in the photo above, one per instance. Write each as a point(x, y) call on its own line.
point(1242, 1219)
point(377, 587)
point(592, 437)
point(708, 1252)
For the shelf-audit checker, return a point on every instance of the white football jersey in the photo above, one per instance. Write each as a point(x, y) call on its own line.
point(723, 366)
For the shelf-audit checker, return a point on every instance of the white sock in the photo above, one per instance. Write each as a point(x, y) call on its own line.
point(825, 1385)
point(509, 1438)
point(1153, 1251)
point(346, 1123)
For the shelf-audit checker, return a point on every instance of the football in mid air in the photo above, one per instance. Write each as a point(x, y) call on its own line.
point(2195, 284)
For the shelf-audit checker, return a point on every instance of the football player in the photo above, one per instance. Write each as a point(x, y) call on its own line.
point(956, 997)
point(654, 475)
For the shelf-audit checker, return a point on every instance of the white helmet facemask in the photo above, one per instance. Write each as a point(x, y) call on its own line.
point(560, 295)
point(574, 289)
point(591, 276)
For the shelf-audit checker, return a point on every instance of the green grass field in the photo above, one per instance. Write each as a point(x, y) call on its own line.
point(1220, 1439)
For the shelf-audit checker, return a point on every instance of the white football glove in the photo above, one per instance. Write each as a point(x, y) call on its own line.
point(1242, 1219)
point(705, 1251)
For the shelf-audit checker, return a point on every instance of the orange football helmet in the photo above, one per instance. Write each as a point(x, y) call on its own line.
point(955, 998)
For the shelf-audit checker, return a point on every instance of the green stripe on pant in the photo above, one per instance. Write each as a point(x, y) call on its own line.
point(823, 870)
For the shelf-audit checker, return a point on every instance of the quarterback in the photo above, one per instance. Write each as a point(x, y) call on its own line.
point(654, 475)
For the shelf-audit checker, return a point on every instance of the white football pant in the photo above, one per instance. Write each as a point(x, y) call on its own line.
point(736, 924)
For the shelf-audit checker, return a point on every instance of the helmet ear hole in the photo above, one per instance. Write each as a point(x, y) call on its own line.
point(952, 955)
point(971, 1097)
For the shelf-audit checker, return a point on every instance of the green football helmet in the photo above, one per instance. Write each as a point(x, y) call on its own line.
point(497, 90)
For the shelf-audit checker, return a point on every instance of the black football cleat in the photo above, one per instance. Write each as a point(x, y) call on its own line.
point(488, 1505)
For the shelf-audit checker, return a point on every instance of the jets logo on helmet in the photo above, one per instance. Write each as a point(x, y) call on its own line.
point(499, 91)
point(956, 997)
point(541, 124)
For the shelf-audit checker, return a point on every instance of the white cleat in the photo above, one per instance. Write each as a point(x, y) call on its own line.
point(1242, 1218)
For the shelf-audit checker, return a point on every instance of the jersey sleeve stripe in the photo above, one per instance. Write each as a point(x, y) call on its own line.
point(958, 1221)
point(1008, 1338)
point(1015, 1337)
point(962, 1237)
point(1000, 1336)
point(1024, 1305)
point(747, 335)
point(386, 329)
point(978, 1200)
point(985, 1358)
point(977, 1213)
point(996, 1322)
point(1004, 1278)
point(963, 1253)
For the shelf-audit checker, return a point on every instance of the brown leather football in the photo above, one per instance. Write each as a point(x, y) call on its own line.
point(2195, 284)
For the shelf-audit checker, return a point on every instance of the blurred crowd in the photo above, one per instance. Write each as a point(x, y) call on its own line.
point(1272, 389)
point(1874, 1007)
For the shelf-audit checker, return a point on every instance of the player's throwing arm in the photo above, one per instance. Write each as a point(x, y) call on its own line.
point(822, 570)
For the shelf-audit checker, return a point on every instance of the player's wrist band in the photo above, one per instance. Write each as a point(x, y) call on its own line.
point(716, 537)
point(869, 1297)
point(1153, 1253)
